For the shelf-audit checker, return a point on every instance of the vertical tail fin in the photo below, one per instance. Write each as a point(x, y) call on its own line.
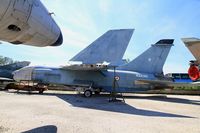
point(152, 60)
point(110, 47)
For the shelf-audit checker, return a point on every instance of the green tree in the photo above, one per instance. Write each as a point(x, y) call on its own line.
point(5, 60)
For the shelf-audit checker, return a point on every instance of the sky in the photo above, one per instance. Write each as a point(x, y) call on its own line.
point(83, 21)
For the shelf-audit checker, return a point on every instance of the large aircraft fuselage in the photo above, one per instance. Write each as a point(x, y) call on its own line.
point(100, 79)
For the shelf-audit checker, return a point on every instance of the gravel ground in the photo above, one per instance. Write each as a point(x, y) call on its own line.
point(67, 112)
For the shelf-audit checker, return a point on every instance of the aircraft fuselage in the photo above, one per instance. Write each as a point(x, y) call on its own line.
point(99, 79)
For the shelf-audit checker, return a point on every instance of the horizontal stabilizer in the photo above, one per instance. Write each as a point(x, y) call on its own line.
point(110, 47)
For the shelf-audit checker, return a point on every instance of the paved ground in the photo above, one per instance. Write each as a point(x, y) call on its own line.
point(70, 113)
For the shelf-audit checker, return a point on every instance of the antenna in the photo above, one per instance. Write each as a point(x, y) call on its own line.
point(52, 13)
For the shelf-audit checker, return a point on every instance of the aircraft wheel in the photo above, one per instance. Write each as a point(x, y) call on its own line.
point(88, 93)
point(41, 91)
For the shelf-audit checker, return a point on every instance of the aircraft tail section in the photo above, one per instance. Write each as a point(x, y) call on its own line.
point(193, 44)
point(110, 47)
point(152, 60)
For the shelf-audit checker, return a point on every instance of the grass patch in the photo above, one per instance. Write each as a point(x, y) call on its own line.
point(187, 88)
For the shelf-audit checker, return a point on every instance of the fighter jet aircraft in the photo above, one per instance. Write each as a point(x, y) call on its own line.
point(6, 72)
point(193, 44)
point(28, 22)
point(98, 66)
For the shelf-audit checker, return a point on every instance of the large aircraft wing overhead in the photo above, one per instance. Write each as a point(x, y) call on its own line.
point(110, 47)
point(193, 44)
point(163, 83)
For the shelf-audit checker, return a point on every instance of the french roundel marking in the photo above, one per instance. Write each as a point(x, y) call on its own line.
point(117, 78)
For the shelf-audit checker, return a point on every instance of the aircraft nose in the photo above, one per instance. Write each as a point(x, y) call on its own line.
point(15, 73)
point(59, 41)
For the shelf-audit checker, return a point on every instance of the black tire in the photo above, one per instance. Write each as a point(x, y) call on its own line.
point(41, 91)
point(88, 93)
point(10, 86)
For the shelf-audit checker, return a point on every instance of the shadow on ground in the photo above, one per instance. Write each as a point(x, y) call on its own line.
point(164, 98)
point(101, 102)
point(43, 129)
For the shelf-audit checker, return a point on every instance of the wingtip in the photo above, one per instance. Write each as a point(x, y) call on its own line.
point(132, 30)
point(190, 39)
point(165, 41)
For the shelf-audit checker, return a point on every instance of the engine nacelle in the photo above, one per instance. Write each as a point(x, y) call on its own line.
point(28, 22)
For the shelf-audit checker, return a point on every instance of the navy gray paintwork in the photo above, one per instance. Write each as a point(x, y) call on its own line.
point(6, 76)
point(147, 66)
point(7, 70)
point(110, 47)
point(152, 60)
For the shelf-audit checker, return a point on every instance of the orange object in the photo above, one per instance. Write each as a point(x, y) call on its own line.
point(194, 73)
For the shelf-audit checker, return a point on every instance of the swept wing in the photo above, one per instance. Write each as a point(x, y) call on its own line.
point(193, 44)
